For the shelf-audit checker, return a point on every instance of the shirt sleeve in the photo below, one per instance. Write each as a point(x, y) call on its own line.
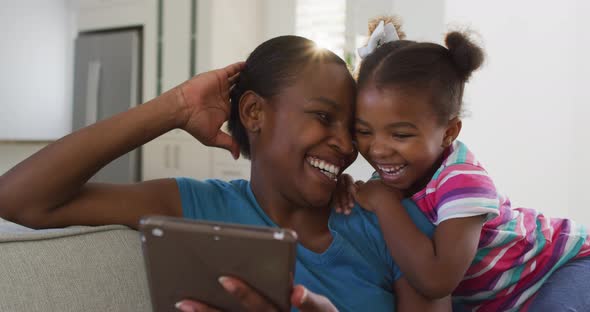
point(465, 191)
point(202, 200)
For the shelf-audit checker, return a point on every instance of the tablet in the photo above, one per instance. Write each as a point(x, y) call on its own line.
point(185, 258)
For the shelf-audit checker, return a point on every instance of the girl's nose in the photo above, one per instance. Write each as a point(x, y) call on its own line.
point(378, 149)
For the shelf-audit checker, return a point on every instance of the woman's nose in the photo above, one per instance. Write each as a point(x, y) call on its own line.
point(343, 141)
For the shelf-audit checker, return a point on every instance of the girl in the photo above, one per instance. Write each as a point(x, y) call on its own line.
point(490, 256)
point(290, 111)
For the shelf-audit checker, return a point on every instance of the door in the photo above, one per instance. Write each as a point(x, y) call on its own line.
point(107, 78)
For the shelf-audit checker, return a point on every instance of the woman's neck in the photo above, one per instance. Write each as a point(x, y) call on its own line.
point(310, 223)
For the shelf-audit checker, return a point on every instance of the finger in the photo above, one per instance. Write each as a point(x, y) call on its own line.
point(233, 79)
point(348, 179)
point(194, 306)
point(233, 69)
point(249, 298)
point(351, 187)
point(344, 201)
point(307, 301)
point(351, 200)
point(340, 195)
point(227, 142)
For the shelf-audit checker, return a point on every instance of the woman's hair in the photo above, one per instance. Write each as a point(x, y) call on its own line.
point(272, 66)
point(423, 66)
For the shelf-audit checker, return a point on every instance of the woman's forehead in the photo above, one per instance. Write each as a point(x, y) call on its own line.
point(332, 81)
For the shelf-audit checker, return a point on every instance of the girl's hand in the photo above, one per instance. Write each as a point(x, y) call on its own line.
point(343, 198)
point(375, 194)
point(301, 298)
point(205, 101)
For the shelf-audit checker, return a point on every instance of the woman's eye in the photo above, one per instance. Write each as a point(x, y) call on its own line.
point(362, 132)
point(324, 117)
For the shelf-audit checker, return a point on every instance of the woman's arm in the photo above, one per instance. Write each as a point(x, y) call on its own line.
point(49, 189)
point(434, 267)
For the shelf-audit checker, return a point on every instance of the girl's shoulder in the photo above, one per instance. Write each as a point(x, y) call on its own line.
point(458, 158)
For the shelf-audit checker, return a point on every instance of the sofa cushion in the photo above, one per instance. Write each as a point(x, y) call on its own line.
point(72, 269)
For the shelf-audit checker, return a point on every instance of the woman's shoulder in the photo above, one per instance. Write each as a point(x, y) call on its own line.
point(365, 223)
point(211, 185)
point(211, 199)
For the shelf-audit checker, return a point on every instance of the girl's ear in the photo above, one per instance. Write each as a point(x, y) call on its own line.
point(251, 112)
point(452, 132)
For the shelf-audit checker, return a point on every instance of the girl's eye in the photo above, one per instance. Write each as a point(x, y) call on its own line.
point(402, 135)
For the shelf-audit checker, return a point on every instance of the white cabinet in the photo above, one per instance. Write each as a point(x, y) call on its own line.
point(178, 154)
point(224, 167)
point(175, 154)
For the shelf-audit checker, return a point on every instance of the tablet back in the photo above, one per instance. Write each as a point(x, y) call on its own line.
point(185, 258)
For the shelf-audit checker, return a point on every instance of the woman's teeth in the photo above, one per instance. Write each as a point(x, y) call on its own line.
point(392, 169)
point(330, 170)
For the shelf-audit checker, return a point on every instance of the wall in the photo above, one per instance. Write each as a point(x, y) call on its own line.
point(36, 71)
point(526, 106)
point(237, 29)
point(580, 168)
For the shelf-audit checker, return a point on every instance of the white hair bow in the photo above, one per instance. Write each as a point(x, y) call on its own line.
point(382, 34)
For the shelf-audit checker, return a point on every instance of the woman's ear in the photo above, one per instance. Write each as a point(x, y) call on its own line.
point(251, 112)
point(452, 132)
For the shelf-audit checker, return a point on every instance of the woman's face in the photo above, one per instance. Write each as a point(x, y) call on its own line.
point(306, 141)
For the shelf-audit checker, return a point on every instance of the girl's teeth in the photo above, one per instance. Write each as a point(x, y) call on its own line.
point(392, 170)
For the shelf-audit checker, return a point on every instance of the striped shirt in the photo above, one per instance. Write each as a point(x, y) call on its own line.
point(518, 248)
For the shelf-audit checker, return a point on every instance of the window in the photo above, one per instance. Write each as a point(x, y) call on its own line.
point(323, 22)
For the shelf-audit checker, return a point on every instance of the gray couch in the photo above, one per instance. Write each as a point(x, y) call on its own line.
point(71, 269)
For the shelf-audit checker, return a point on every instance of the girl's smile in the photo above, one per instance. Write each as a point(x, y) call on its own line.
point(399, 135)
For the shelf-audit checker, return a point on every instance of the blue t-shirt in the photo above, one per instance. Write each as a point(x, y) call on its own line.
point(356, 272)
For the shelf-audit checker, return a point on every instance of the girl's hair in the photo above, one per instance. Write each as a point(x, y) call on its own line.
point(423, 66)
point(272, 66)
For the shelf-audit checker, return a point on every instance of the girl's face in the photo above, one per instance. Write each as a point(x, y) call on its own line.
point(400, 136)
point(306, 140)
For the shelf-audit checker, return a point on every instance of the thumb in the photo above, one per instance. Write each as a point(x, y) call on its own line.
point(227, 142)
point(307, 301)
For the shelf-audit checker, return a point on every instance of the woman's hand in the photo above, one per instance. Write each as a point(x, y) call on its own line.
point(343, 198)
point(205, 101)
point(301, 298)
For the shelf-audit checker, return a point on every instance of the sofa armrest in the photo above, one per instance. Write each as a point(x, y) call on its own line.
point(72, 269)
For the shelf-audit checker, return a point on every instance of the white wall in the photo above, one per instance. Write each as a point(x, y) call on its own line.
point(236, 29)
point(527, 104)
point(35, 79)
point(580, 203)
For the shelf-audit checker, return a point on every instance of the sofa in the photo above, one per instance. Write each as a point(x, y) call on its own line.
point(76, 268)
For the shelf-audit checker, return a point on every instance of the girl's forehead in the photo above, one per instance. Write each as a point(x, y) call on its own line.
point(400, 102)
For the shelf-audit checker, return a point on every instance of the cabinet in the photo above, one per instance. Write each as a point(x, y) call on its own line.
point(178, 154)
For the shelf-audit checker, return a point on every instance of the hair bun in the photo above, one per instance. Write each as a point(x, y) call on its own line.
point(466, 55)
point(396, 21)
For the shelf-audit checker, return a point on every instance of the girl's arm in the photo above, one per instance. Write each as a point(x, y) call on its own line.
point(408, 299)
point(434, 267)
point(49, 189)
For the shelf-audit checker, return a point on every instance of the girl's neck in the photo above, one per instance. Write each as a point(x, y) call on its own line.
point(421, 183)
point(310, 223)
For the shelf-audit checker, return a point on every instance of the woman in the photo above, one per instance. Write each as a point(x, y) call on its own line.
point(291, 113)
